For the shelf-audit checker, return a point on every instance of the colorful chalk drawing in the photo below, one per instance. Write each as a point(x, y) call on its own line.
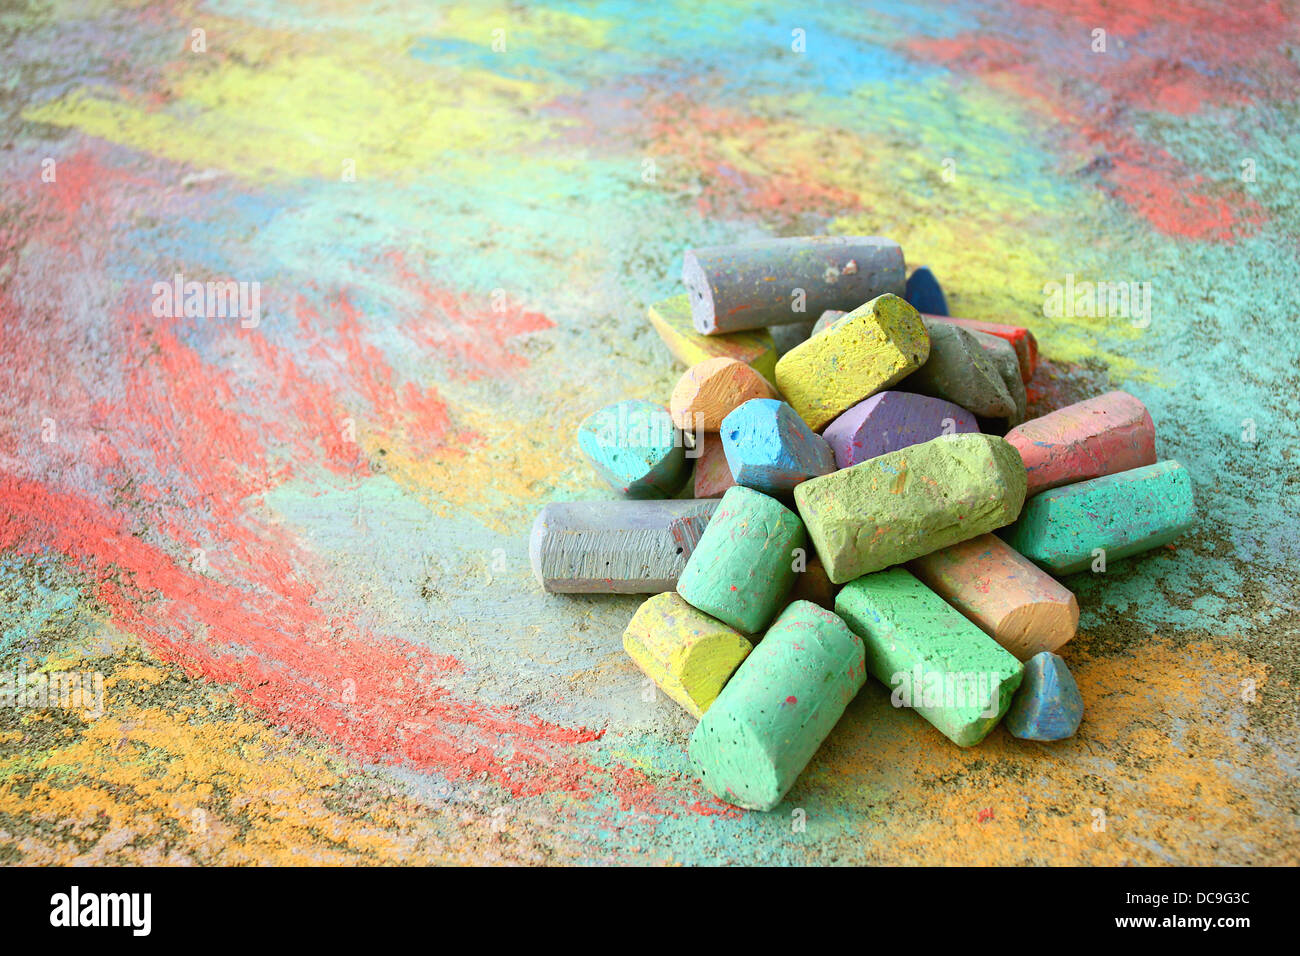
point(297, 550)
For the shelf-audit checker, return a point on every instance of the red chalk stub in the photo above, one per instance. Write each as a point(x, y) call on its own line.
point(1101, 436)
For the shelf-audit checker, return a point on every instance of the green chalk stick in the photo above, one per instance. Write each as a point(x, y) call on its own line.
point(1066, 529)
point(744, 563)
point(761, 731)
point(910, 502)
point(935, 660)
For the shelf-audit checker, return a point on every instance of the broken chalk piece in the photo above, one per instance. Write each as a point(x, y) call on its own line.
point(935, 661)
point(1003, 357)
point(1021, 339)
point(778, 707)
point(1068, 529)
point(671, 318)
point(910, 502)
point(1101, 436)
point(707, 392)
point(771, 449)
point(615, 547)
point(959, 371)
point(866, 350)
point(776, 281)
point(636, 448)
point(712, 472)
point(1048, 705)
point(924, 292)
point(1015, 602)
point(888, 421)
point(743, 566)
point(687, 653)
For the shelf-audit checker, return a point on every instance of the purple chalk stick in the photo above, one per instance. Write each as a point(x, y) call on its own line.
point(888, 421)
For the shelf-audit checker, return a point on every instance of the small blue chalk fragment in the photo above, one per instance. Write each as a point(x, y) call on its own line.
point(924, 294)
point(1048, 705)
point(636, 448)
point(771, 449)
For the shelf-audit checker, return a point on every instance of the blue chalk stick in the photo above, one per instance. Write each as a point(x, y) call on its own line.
point(771, 449)
point(636, 448)
point(1048, 705)
point(924, 293)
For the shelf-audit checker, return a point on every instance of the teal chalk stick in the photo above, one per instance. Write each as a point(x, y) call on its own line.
point(1063, 529)
point(636, 448)
point(933, 659)
point(775, 711)
point(744, 564)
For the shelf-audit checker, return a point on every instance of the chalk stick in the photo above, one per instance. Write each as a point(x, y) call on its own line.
point(636, 448)
point(1048, 705)
point(757, 284)
point(1018, 605)
point(910, 502)
point(924, 293)
point(958, 371)
point(712, 472)
point(935, 661)
point(707, 392)
point(771, 449)
point(743, 566)
point(1021, 339)
point(1121, 515)
point(866, 350)
point(615, 547)
point(671, 318)
point(782, 702)
point(827, 319)
point(1003, 357)
point(1101, 436)
point(888, 421)
point(687, 653)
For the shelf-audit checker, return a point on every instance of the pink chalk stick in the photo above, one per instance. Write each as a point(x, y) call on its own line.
point(1021, 339)
point(712, 473)
point(1101, 436)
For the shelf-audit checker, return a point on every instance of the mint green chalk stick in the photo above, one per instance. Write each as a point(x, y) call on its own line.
point(1065, 529)
point(778, 707)
point(935, 660)
point(744, 564)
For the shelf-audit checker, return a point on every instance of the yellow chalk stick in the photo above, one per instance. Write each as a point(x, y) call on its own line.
point(868, 349)
point(687, 653)
point(671, 318)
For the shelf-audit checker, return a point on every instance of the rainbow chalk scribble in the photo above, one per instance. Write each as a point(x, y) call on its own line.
point(297, 551)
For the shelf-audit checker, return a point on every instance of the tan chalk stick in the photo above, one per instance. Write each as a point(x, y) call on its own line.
point(712, 389)
point(1020, 606)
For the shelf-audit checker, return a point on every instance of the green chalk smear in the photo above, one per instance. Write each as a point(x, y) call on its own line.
point(743, 566)
point(1122, 515)
point(778, 707)
point(935, 660)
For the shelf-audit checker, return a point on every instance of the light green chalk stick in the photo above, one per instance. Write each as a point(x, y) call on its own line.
point(1063, 529)
point(935, 660)
point(910, 502)
point(778, 707)
point(744, 563)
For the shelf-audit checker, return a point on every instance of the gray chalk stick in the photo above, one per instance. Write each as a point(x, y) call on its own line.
point(615, 547)
point(960, 371)
point(775, 281)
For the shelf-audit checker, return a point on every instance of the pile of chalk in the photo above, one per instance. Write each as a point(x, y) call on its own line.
point(845, 502)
